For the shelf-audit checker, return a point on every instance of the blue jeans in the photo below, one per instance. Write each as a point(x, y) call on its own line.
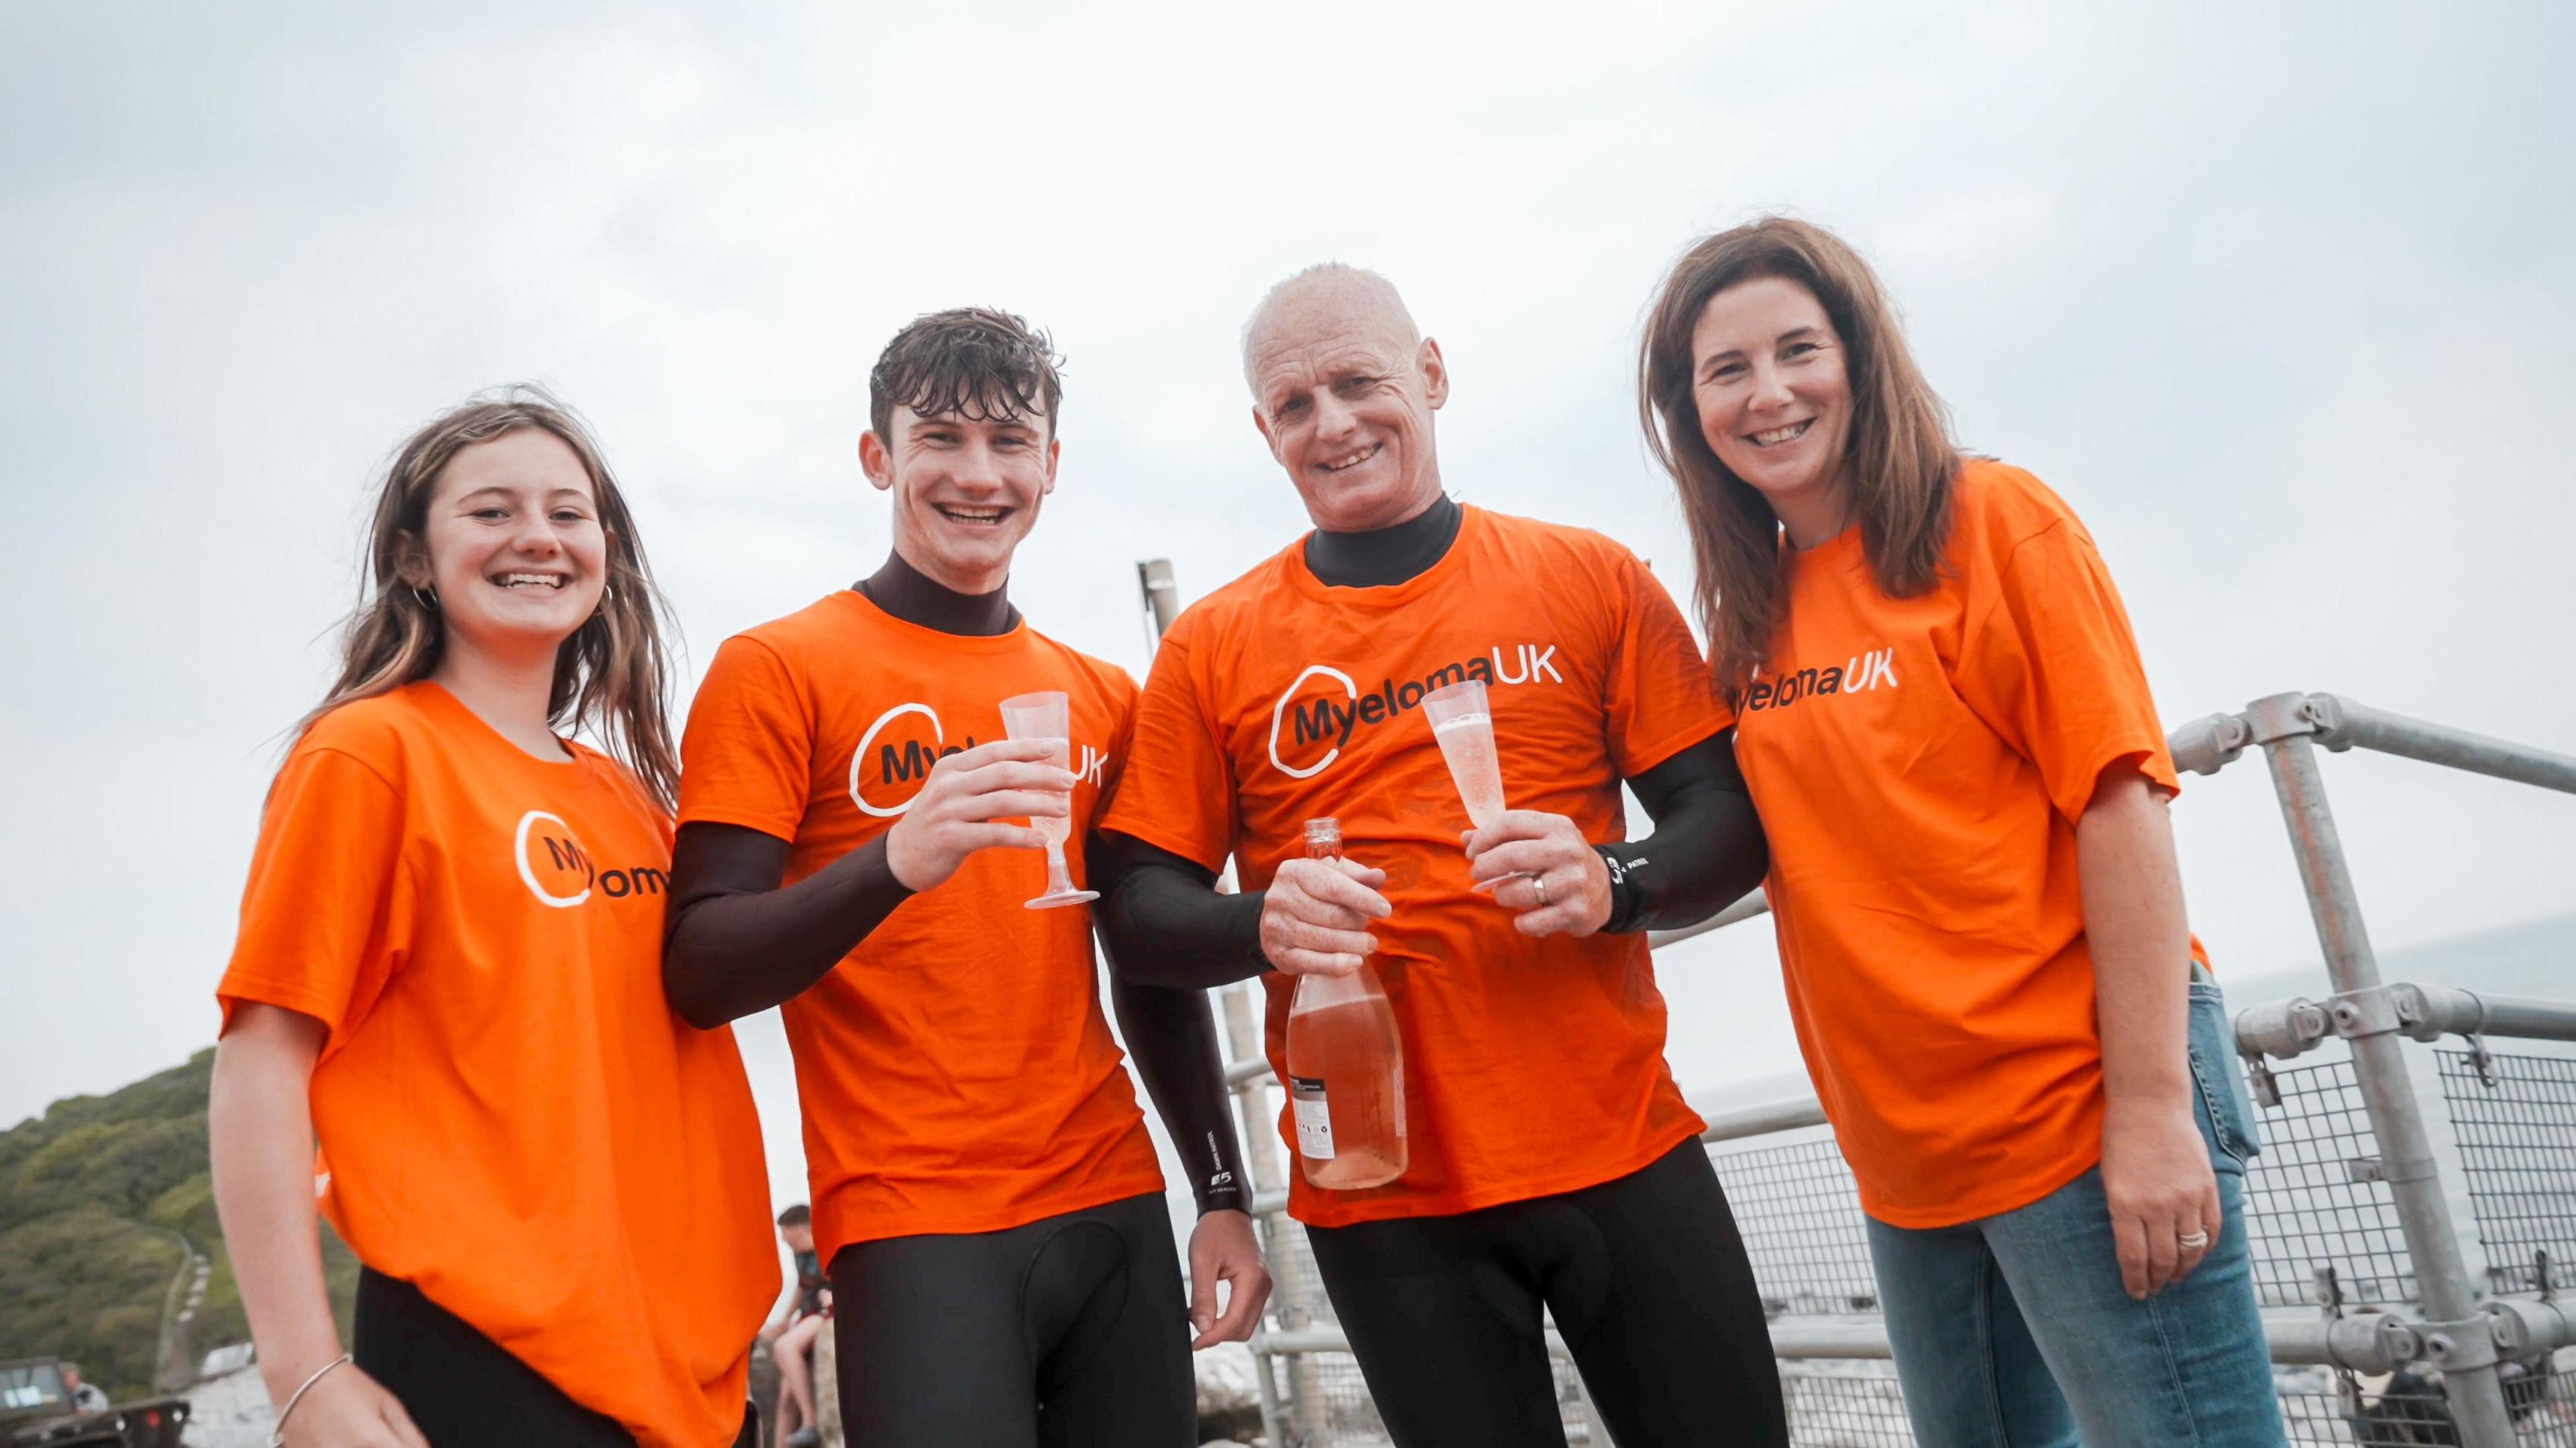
point(2014, 1332)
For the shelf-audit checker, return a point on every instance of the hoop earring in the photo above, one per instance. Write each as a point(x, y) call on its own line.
point(428, 597)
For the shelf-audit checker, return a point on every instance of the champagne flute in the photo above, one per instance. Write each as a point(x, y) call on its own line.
point(1047, 716)
point(1462, 724)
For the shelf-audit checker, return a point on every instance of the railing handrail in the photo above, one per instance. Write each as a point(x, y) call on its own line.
point(2458, 1327)
point(2366, 1343)
point(2205, 746)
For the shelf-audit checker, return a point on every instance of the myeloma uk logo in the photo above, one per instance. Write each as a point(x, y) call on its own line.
point(1855, 675)
point(559, 872)
point(1323, 707)
point(898, 751)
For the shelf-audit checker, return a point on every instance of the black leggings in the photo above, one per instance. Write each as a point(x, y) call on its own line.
point(462, 1389)
point(1066, 1331)
point(1647, 1281)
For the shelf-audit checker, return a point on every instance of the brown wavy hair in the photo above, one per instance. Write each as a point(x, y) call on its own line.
point(1902, 463)
point(612, 676)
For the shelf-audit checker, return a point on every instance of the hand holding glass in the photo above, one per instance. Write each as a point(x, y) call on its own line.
point(1047, 716)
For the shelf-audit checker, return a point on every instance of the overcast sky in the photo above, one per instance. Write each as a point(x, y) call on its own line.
point(2281, 302)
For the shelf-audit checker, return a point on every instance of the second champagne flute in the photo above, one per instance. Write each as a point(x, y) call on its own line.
point(1462, 724)
point(1047, 715)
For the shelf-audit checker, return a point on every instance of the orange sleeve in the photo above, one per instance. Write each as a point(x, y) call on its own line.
point(747, 757)
point(1176, 791)
point(1662, 698)
point(2052, 667)
point(326, 918)
point(1122, 740)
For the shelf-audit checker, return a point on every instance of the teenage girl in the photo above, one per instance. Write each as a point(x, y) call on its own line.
point(449, 977)
point(1942, 716)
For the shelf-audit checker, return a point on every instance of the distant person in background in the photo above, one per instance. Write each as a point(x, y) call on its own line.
point(84, 1396)
point(449, 974)
point(798, 1320)
point(1941, 713)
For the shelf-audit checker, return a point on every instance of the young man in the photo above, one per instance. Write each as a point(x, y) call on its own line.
point(855, 843)
point(1552, 1161)
point(793, 1327)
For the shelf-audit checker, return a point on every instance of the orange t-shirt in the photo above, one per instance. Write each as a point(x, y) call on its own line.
point(1919, 765)
point(511, 1118)
point(956, 1071)
point(1530, 1066)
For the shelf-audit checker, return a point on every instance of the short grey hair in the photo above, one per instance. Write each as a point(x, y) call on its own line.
point(1326, 274)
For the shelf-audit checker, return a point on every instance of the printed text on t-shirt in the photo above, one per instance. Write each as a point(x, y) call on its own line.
point(1310, 718)
point(561, 873)
point(1866, 671)
point(907, 740)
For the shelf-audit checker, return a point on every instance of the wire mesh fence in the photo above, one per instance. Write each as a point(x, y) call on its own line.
point(2308, 1202)
point(2516, 1127)
point(1799, 1214)
point(1845, 1405)
point(1859, 1405)
point(2407, 1408)
point(2311, 1201)
point(1352, 1418)
point(2396, 1414)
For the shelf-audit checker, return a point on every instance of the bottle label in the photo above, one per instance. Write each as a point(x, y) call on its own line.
point(1314, 1122)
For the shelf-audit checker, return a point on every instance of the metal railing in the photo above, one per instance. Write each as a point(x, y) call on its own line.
point(2359, 1257)
point(2362, 1268)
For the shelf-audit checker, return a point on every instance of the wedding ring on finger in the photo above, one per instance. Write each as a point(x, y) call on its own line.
point(2192, 1241)
point(1539, 883)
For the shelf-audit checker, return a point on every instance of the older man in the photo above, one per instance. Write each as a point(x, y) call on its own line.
point(1553, 1163)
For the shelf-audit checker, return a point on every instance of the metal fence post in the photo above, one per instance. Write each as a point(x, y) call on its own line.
point(2462, 1343)
point(1292, 1288)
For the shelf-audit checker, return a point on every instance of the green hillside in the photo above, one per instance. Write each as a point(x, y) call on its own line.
point(90, 1194)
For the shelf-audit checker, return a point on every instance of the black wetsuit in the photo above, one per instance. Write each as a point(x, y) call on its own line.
point(1644, 1274)
point(462, 1389)
point(1069, 1330)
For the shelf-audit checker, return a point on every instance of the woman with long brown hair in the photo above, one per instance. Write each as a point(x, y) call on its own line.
point(1943, 720)
point(448, 976)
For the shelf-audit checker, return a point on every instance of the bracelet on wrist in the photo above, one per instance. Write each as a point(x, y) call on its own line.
point(277, 1438)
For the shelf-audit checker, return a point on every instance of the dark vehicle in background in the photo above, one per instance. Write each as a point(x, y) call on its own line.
point(36, 1411)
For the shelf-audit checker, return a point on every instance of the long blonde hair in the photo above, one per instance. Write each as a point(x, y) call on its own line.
point(611, 677)
point(1902, 462)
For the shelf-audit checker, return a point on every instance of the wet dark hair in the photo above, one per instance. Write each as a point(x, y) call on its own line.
point(799, 1215)
point(981, 364)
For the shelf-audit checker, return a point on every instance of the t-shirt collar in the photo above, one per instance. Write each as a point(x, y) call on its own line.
point(1011, 638)
point(1470, 522)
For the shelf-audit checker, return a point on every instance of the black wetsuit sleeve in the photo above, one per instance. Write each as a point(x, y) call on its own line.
point(1163, 921)
point(735, 942)
point(1171, 1036)
point(1706, 852)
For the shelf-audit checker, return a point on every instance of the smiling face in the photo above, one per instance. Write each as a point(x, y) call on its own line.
point(1343, 392)
point(512, 544)
point(1774, 400)
point(966, 489)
